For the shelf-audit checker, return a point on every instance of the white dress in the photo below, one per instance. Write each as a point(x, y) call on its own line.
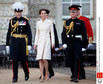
point(44, 39)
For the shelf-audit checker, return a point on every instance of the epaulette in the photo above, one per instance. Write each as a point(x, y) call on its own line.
point(81, 20)
point(26, 18)
point(65, 22)
point(12, 18)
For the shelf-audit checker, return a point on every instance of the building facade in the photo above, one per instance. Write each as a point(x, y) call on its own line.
point(58, 13)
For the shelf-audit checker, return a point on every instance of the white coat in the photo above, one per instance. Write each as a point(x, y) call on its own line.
point(44, 39)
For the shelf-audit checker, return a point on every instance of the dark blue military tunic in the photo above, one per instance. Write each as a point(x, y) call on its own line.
point(72, 30)
point(19, 30)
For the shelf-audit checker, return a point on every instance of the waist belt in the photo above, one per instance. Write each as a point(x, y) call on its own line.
point(26, 40)
point(19, 35)
point(76, 36)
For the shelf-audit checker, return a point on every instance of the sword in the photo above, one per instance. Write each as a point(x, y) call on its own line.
point(59, 49)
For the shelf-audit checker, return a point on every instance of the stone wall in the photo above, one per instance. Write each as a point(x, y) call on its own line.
point(34, 7)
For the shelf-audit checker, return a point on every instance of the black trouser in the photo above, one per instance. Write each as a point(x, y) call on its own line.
point(49, 69)
point(81, 70)
point(15, 68)
point(75, 68)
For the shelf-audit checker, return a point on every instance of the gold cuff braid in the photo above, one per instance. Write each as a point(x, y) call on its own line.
point(90, 40)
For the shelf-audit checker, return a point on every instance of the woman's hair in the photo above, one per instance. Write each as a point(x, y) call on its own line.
point(41, 11)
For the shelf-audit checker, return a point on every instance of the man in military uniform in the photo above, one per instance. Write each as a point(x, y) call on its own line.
point(74, 39)
point(19, 38)
point(89, 30)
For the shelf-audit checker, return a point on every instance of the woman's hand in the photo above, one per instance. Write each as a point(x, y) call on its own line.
point(52, 46)
point(35, 47)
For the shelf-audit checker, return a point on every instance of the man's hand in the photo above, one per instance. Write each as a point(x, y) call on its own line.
point(64, 46)
point(52, 46)
point(56, 49)
point(29, 47)
point(83, 49)
point(35, 47)
point(90, 45)
point(8, 49)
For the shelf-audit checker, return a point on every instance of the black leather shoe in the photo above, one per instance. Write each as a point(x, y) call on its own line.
point(26, 78)
point(72, 77)
point(50, 75)
point(40, 77)
point(82, 77)
point(74, 80)
point(14, 80)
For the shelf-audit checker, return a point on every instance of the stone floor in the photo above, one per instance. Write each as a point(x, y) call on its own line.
point(62, 76)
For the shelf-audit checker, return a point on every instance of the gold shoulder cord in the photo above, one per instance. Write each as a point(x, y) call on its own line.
point(68, 28)
point(14, 26)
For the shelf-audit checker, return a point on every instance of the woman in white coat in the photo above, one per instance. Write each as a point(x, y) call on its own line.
point(44, 40)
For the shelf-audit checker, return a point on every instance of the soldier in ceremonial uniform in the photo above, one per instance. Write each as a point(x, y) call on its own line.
point(89, 30)
point(19, 41)
point(74, 39)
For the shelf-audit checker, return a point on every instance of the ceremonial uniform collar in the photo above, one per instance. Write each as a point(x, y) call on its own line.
point(18, 18)
point(73, 19)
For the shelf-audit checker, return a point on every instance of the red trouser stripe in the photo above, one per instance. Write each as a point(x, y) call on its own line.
point(27, 67)
point(79, 70)
point(12, 69)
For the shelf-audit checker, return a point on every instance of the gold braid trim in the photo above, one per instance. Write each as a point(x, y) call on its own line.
point(26, 18)
point(90, 40)
point(14, 26)
point(27, 52)
point(68, 28)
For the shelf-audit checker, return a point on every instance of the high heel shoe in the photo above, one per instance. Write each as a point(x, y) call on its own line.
point(47, 78)
point(42, 79)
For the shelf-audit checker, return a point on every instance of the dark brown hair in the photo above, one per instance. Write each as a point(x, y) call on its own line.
point(41, 11)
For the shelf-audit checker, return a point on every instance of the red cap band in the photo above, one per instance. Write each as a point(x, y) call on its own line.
point(73, 9)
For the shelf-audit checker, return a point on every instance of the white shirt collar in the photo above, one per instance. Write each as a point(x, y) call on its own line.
point(44, 20)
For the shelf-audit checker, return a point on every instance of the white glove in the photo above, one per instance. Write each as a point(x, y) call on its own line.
point(64, 46)
point(8, 49)
point(56, 49)
point(29, 47)
point(83, 49)
point(90, 45)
